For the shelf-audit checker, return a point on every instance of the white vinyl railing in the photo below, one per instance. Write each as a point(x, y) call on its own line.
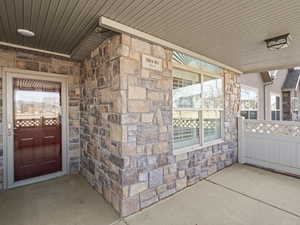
point(270, 144)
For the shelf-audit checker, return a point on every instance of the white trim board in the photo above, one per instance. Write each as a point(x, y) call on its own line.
point(33, 73)
point(34, 49)
point(118, 27)
point(4, 128)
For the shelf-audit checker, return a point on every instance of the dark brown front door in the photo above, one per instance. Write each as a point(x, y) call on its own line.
point(37, 128)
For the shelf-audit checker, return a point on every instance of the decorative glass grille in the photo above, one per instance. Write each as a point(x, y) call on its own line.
point(26, 123)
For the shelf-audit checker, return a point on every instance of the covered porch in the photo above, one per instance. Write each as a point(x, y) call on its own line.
point(132, 108)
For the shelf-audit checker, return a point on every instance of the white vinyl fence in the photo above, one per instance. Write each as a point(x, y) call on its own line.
point(270, 144)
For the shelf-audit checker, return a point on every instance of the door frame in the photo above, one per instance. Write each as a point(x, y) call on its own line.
point(8, 146)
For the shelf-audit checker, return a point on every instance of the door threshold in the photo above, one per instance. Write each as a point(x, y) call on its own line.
point(36, 179)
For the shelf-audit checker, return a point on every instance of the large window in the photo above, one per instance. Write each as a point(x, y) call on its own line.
point(181, 58)
point(249, 103)
point(275, 107)
point(197, 108)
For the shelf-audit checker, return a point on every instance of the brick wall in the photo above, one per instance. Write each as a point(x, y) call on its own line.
point(36, 62)
point(126, 136)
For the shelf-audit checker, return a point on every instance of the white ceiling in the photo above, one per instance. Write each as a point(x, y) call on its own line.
point(229, 31)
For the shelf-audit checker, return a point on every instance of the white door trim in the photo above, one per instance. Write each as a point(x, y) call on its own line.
point(7, 75)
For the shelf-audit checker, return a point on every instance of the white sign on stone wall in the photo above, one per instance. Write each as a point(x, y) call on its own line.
point(152, 63)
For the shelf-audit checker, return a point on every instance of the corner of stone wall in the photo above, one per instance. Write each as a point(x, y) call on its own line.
point(74, 118)
point(232, 92)
point(126, 127)
point(146, 124)
point(102, 104)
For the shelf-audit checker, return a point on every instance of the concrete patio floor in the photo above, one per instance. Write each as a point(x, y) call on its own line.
point(67, 200)
point(237, 195)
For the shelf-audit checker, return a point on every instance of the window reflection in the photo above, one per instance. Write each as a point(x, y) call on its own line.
point(186, 89)
point(36, 104)
point(212, 93)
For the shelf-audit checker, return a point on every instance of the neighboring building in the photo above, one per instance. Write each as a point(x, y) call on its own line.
point(272, 95)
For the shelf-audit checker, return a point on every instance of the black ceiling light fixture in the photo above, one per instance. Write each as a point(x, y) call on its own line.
point(278, 42)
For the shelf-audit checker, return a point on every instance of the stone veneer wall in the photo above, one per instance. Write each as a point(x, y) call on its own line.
point(26, 60)
point(126, 135)
point(101, 131)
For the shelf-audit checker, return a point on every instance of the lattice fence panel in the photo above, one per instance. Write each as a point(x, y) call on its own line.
point(272, 127)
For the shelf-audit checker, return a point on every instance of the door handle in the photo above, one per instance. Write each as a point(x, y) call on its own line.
point(9, 129)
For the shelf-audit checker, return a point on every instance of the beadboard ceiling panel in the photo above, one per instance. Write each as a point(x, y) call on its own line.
point(232, 32)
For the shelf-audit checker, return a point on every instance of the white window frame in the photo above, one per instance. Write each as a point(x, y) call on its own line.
point(280, 107)
point(258, 103)
point(201, 144)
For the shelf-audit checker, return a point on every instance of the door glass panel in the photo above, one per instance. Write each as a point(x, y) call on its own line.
point(37, 127)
